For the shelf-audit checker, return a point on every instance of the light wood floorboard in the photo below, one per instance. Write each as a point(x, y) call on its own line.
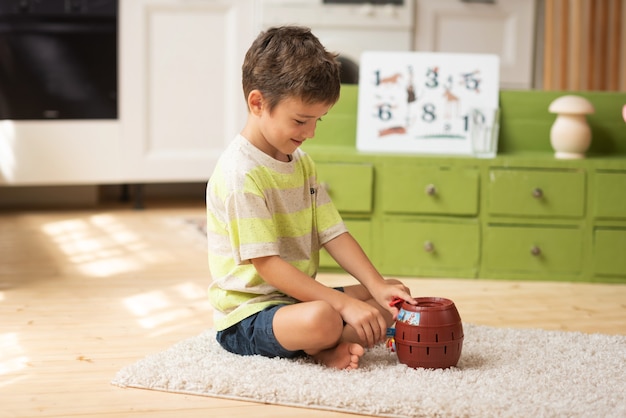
point(85, 292)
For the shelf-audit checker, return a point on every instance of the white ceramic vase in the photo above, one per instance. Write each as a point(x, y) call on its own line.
point(570, 136)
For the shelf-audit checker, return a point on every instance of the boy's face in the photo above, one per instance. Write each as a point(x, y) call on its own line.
point(290, 123)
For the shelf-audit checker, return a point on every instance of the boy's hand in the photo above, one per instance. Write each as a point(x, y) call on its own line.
point(393, 295)
point(367, 321)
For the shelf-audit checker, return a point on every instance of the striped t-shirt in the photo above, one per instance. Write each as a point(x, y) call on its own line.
point(258, 206)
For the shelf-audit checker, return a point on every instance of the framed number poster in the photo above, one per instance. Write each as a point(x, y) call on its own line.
point(425, 102)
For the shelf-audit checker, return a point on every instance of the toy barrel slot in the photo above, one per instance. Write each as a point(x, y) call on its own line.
point(430, 334)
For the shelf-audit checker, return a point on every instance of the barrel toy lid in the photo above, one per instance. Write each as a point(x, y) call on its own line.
point(423, 302)
point(428, 303)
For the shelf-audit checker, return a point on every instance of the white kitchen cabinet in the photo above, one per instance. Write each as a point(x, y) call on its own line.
point(59, 152)
point(503, 27)
point(180, 84)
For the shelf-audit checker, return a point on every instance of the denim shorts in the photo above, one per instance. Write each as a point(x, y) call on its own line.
point(254, 335)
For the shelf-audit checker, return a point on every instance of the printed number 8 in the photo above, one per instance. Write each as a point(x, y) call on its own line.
point(429, 113)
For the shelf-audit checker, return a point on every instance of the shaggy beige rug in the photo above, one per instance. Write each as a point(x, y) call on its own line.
point(502, 373)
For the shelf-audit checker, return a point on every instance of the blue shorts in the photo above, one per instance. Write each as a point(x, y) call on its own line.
point(254, 335)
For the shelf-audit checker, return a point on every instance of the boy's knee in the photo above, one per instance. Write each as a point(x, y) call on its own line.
point(324, 321)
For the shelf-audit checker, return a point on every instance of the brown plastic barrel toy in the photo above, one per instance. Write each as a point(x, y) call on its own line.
point(429, 334)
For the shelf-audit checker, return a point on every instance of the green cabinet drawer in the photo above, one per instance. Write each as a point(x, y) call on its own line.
point(350, 185)
point(609, 200)
point(543, 193)
point(429, 190)
point(609, 252)
point(533, 249)
point(361, 231)
point(416, 248)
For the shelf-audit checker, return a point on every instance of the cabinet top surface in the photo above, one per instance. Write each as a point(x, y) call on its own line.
point(524, 134)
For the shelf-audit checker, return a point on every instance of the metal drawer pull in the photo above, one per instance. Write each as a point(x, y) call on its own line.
point(431, 190)
point(429, 247)
point(537, 193)
point(535, 250)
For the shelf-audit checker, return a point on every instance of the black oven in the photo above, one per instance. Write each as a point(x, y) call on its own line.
point(58, 59)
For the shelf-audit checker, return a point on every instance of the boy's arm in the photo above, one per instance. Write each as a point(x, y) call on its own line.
point(351, 257)
point(363, 317)
point(291, 281)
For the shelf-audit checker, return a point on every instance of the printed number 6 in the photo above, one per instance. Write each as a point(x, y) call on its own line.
point(384, 112)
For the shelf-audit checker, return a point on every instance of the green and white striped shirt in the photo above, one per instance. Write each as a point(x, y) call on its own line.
point(258, 206)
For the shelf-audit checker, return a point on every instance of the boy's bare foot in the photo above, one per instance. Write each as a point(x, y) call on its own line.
point(344, 356)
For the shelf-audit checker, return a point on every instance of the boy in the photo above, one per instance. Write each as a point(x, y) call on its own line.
point(267, 218)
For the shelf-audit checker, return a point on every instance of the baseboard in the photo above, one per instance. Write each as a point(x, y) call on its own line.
point(87, 196)
point(19, 197)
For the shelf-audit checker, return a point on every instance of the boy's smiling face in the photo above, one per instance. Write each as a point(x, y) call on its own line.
point(280, 132)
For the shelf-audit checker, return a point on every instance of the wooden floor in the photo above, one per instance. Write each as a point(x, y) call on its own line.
point(84, 293)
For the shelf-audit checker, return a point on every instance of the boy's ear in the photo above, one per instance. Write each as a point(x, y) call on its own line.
point(255, 102)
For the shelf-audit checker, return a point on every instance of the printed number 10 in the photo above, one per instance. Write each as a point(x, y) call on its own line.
point(477, 118)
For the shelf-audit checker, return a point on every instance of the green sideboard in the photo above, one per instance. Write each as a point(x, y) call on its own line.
point(522, 215)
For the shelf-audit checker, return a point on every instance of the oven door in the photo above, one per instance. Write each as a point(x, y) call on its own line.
point(58, 67)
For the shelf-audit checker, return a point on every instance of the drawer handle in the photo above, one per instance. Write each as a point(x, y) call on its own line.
point(535, 251)
point(429, 247)
point(431, 190)
point(537, 193)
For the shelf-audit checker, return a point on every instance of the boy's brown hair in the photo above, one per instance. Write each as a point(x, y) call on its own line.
point(289, 61)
